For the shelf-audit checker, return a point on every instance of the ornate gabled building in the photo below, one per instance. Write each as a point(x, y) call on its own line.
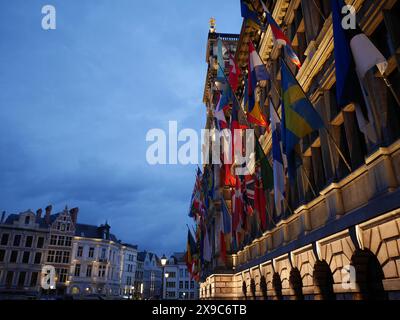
point(340, 235)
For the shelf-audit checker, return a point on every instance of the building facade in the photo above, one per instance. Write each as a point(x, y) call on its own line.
point(128, 269)
point(177, 282)
point(340, 235)
point(98, 262)
point(148, 276)
point(88, 260)
point(23, 243)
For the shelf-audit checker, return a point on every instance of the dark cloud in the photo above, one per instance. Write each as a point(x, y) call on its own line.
point(76, 104)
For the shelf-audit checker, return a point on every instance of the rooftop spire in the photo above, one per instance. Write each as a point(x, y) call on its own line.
point(212, 25)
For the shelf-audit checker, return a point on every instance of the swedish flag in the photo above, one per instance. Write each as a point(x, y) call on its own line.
point(298, 114)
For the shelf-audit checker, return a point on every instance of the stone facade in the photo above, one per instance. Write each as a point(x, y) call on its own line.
point(342, 239)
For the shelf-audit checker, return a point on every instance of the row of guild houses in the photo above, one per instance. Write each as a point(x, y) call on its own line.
point(335, 231)
point(88, 260)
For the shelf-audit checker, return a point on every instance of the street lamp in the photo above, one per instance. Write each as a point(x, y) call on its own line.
point(166, 275)
point(163, 263)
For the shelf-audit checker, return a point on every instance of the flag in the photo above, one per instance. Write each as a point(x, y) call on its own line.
point(190, 251)
point(299, 118)
point(221, 62)
point(207, 253)
point(266, 172)
point(196, 201)
point(355, 54)
point(280, 37)
point(234, 74)
point(237, 201)
point(256, 72)
point(219, 113)
point(278, 167)
point(248, 13)
point(225, 230)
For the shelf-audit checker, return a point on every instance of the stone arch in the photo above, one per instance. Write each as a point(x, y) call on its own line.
point(296, 284)
point(369, 275)
point(264, 287)
point(244, 289)
point(277, 285)
point(253, 288)
point(323, 280)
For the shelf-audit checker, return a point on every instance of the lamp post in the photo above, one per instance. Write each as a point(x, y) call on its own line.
point(163, 263)
point(166, 277)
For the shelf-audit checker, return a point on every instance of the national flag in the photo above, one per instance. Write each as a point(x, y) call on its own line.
point(225, 230)
point(266, 172)
point(355, 55)
point(207, 253)
point(299, 118)
point(190, 251)
point(220, 61)
point(248, 12)
point(219, 114)
point(237, 210)
point(257, 72)
point(280, 37)
point(278, 167)
point(196, 201)
point(234, 74)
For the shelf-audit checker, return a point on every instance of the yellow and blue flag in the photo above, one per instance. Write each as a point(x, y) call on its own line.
point(299, 118)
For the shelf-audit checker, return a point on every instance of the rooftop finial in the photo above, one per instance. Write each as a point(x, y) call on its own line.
point(212, 25)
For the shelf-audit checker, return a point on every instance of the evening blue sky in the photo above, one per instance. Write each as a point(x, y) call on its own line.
point(76, 104)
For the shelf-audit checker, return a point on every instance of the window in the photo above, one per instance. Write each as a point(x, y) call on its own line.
point(91, 252)
point(191, 284)
point(62, 275)
point(192, 295)
point(38, 257)
point(21, 279)
point(89, 270)
point(79, 253)
point(102, 271)
point(13, 256)
point(180, 284)
point(34, 278)
point(40, 242)
point(171, 294)
point(27, 219)
point(103, 253)
point(17, 240)
point(62, 227)
point(50, 256)
point(186, 284)
point(65, 258)
point(61, 241)
point(4, 239)
point(68, 241)
point(53, 240)
point(181, 273)
point(25, 257)
point(171, 284)
point(186, 273)
point(128, 281)
point(58, 256)
point(171, 274)
point(2, 254)
point(77, 272)
point(9, 278)
point(28, 242)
